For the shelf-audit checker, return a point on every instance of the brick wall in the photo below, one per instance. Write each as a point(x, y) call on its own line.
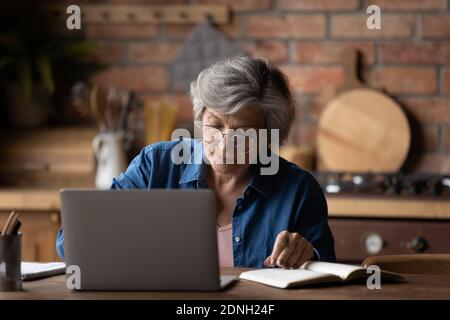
point(409, 58)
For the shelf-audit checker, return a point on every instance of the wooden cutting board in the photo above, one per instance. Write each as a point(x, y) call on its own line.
point(361, 129)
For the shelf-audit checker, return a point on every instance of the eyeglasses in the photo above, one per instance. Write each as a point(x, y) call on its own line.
point(239, 136)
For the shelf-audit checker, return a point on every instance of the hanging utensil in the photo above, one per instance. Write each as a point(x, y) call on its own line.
point(127, 101)
point(98, 104)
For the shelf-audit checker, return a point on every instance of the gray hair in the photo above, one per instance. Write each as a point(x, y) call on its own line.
point(237, 82)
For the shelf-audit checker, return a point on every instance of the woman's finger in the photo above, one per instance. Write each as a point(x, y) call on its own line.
point(290, 253)
point(286, 254)
point(280, 243)
point(306, 255)
point(267, 262)
point(295, 255)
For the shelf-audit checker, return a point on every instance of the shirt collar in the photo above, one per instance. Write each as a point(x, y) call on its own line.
point(196, 170)
point(259, 182)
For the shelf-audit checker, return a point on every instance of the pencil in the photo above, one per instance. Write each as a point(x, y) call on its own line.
point(12, 225)
point(8, 222)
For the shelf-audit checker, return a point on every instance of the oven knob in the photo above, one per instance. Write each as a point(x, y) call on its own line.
point(418, 244)
point(373, 243)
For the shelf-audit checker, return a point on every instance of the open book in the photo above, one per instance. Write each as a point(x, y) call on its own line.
point(36, 270)
point(311, 272)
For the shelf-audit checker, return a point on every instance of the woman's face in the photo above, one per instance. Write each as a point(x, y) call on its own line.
point(226, 151)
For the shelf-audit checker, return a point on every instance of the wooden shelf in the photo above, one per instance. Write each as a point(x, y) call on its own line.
point(381, 207)
point(147, 14)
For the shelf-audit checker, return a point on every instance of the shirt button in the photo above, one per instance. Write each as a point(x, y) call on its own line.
point(237, 239)
point(239, 207)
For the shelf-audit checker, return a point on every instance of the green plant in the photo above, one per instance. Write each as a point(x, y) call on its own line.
point(30, 52)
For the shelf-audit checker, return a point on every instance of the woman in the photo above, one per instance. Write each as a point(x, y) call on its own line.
point(267, 220)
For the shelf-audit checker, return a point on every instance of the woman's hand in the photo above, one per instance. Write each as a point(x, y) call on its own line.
point(291, 250)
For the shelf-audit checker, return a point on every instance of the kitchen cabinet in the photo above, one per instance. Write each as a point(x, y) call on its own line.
point(34, 166)
point(39, 213)
point(39, 234)
point(358, 238)
point(365, 226)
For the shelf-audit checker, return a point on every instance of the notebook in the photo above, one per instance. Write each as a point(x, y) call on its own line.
point(312, 272)
point(35, 270)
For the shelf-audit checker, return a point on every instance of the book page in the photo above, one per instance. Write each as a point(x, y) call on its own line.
point(344, 271)
point(34, 269)
point(283, 278)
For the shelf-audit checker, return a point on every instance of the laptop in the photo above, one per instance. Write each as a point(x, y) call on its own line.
point(158, 239)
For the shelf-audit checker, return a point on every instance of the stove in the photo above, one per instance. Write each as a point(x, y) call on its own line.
point(369, 231)
point(392, 184)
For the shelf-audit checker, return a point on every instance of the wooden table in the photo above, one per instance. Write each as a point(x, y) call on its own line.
point(415, 287)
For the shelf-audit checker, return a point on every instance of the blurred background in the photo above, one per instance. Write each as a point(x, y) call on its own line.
point(372, 122)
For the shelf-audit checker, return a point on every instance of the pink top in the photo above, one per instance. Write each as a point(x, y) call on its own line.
point(225, 245)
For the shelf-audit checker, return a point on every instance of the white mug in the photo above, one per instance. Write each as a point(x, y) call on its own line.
point(111, 158)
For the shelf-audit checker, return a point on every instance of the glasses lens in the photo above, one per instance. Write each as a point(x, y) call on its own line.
point(211, 134)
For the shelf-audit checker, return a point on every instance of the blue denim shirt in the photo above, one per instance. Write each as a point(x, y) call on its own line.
point(289, 200)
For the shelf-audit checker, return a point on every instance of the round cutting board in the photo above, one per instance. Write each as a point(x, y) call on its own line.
point(362, 130)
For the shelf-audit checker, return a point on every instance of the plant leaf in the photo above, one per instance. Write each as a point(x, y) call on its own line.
point(25, 77)
point(44, 69)
point(74, 49)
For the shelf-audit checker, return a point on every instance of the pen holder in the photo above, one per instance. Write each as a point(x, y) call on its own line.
point(10, 262)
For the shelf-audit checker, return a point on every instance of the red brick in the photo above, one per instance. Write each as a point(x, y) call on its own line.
point(425, 139)
point(433, 110)
point(241, 5)
point(429, 162)
point(286, 26)
point(319, 5)
point(111, 31)
point(153, 51)
point(435, 26)
point(274, 51)
point(303, 134)
point(232, 29)
point(447, 138)
point(354, 26)
point(108, 53)
point(305, 106)
point(178, 31)
point(330, 51)
point(312, 107)
point(313, 79)
point(409, 5)
point(403, 80)
point(446, 79)
point(415, 53)
point(149, 78)
point(147, 1)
